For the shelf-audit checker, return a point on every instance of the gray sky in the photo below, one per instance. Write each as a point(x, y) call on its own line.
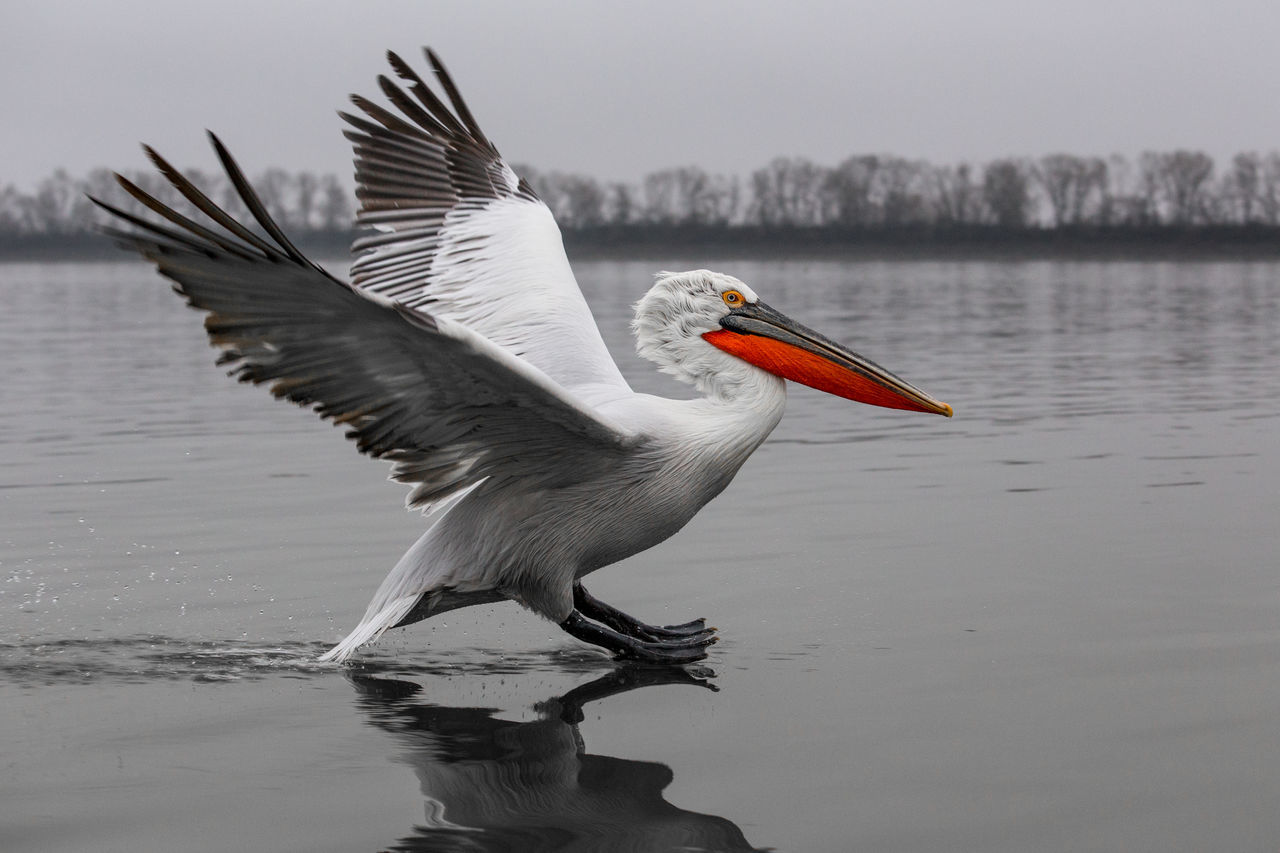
point(616, 90)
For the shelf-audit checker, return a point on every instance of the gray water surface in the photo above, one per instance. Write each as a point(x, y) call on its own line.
point(1050, 623)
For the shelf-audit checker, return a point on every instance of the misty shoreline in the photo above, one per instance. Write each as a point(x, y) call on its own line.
point(1218, 242)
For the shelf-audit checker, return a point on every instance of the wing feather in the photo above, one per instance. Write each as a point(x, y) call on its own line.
point(461, 236)
point(445, 405)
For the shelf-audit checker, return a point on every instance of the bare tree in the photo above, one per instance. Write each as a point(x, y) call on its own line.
point(692, 195)
point(688, 195)
point(721, 201)
point(50, 210)
point(1074, 186)
point(1057, 174)
point(787, 192)
point(956, 198)
point(707, 199)
point(847, 192)
point(898, 188)
point(576, 201)
point(584, 199)
point(1150, 165)
point(1238, 194)
point(1269, 189)
point(10, 210)
point(1122, 200)
point(620, 204)
point(335, 204)
point(305, 199)
point(1006, 192)
point(1089, 190)
point(662, 198)
point(1183, 178)
point(692, 184)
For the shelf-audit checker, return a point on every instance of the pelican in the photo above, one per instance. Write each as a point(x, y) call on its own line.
point(462, 352)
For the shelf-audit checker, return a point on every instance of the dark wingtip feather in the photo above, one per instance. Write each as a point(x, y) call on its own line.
point(388, 119)
point(189, 226)
point(429, 121)
point(155, 158)
point(218, 147)
point(455, 97)
point(399, 65)
point(171, 174)
point(439, 112)
point(251, 200)
point(206, 205)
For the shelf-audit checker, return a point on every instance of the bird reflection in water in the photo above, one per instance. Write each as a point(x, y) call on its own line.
point(493, 784)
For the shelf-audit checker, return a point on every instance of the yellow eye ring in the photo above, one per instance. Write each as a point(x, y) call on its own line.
point(732, 298)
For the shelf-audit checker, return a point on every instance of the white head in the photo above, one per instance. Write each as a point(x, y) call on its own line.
point(673, 316)
point(711, 330)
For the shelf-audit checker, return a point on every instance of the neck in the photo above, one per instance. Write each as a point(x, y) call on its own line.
point(748, 396)
point(743, 385)
point(727, 383)
point(733, 419)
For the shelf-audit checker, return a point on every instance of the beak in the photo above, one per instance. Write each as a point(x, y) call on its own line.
point(774, 342)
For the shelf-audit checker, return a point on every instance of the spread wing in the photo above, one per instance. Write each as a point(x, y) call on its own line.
point(462, 236)
point(445, 404)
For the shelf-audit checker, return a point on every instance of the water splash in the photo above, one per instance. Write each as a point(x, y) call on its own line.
point(132, 660)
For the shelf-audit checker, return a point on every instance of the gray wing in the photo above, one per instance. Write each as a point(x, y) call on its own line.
point(446, 405)
point(462, 236)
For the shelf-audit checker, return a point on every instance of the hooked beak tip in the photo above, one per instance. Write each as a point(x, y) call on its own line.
point(946, 410)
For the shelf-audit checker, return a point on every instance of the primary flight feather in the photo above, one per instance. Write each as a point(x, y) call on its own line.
point(463, 352)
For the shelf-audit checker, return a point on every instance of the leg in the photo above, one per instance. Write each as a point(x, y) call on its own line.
point(596, 609)
point(682, 650)
point(627, 676)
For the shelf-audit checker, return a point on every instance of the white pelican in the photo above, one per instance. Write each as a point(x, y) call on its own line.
point(463, 352)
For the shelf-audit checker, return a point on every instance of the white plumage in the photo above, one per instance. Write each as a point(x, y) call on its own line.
point(463, 352)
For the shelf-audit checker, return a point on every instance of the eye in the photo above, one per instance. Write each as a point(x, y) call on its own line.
point(733, 298)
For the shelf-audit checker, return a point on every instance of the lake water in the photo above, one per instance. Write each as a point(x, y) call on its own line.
point(1050, 623)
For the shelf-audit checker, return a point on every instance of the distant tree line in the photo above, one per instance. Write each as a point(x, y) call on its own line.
point(301, 201)
point(870, 191)
point(867, 194)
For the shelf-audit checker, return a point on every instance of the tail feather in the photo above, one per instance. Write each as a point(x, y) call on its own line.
point(371, 628)
point(417, 574)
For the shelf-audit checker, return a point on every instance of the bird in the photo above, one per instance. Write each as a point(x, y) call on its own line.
point(532, 784)
point(462, 351)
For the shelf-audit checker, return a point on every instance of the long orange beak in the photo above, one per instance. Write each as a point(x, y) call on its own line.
point(774, 342)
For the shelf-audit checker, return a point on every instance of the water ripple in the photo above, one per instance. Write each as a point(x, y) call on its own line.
point(155, 658)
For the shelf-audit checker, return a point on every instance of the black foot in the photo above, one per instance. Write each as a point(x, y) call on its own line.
point(674, 650)
point(628, 676)
point(596, 609)
point(684, 629)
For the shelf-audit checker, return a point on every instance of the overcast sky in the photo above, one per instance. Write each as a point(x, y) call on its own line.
point(616, 90)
